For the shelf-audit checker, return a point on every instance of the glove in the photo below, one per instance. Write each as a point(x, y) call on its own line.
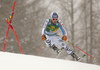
point(64, 38)
point(43, 37)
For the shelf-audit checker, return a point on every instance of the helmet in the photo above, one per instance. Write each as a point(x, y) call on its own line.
point(54, 15)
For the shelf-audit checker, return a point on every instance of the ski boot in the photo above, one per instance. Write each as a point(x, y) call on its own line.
point(75, 56)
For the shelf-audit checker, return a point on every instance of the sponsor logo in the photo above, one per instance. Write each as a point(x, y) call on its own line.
point(52, 27)
point(55, 16)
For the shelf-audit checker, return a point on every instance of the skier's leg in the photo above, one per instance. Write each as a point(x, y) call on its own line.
point(50, 43)
point(62, 44)
point(75, 56)
point(57, 40)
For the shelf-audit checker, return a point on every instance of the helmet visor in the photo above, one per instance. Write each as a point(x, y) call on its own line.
point(55, 19)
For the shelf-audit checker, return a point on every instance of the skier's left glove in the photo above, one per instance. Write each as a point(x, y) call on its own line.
point(64, 38)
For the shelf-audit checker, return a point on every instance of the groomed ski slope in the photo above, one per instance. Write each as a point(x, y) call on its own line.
point(11, 61)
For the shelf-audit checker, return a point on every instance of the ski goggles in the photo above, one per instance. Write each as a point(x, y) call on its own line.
point(55, 19)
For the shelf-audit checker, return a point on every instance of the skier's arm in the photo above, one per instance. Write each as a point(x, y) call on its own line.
point(43, 29)
point(44, 26)
point(61, 25)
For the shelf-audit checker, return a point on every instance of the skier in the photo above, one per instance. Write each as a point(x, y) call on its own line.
point(50, 36)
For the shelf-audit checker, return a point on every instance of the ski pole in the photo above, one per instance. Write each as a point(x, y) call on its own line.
point(40, 50)
point(80, 49)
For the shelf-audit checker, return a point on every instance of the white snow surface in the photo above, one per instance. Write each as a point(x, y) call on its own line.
point(11, 61)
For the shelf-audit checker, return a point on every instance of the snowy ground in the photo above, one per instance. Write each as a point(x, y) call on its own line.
point(11, 61)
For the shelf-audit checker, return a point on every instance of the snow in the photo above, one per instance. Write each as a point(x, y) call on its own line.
point(11, 61)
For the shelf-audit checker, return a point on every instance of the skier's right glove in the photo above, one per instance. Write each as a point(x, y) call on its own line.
point(43, 37)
